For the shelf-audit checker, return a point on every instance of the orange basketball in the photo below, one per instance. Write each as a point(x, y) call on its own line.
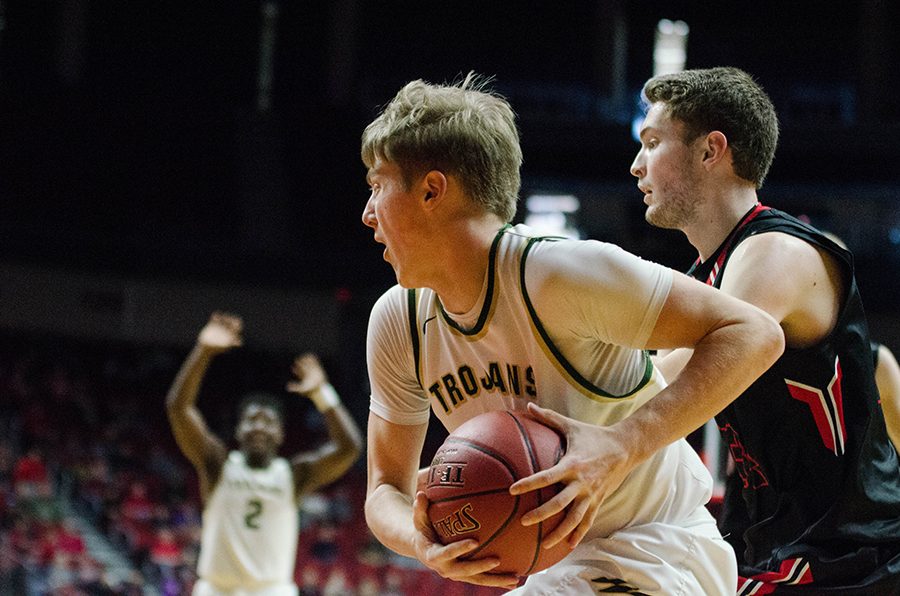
point(468, 489)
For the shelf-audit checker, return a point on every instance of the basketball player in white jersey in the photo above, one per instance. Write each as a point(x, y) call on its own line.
point(488, 317)
point(251, 495)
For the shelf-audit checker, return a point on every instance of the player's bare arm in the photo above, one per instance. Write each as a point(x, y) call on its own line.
point(798, 284)
point(329, 462)
point(397, 514)
point(733, 343)
point(204, 449)
point(887, 377)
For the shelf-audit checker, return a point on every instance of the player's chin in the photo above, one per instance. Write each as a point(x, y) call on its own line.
point(259, 447)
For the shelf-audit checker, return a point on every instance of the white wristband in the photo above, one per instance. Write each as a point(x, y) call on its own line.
point(324, 397)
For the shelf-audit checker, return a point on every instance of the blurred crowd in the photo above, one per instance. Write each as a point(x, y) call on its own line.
point(95, 499)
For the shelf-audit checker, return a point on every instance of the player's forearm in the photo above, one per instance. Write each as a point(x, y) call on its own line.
point(186, 386)
point(346, 439)
point(389, 515)
point(723, 364)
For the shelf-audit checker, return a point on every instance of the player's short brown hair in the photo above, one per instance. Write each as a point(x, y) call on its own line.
point(726, 99)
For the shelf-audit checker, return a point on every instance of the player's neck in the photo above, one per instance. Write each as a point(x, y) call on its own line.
point(258, 460)
point(461, 271)
point(716, 222)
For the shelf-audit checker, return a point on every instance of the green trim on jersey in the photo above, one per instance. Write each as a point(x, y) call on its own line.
point(489, 295)
point(551, 347)
point(412, 304)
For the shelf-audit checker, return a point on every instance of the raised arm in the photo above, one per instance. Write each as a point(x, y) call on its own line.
point(204, 450)
point(330, 461)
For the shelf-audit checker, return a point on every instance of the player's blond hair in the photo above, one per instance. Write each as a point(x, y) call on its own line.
point(462, 129)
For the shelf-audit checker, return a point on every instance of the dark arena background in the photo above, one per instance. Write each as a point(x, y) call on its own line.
point(161, 160)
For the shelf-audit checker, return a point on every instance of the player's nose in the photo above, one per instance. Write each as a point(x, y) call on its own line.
point(368, 214)
point(637, 166)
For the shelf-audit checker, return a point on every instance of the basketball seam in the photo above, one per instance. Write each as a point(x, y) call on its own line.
point(499, 530)
point(526, 438)
point(470, 495)
point(488, 451)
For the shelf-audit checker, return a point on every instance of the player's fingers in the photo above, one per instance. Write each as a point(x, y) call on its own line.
point(460, 548)
point(572, 522)
point(558, 503)
point(547, 477)
point(587, 522)
point(477, 571)
point(468, 569)
point(226, 319)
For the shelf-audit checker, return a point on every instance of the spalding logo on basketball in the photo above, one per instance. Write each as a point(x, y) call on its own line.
point(468, 489)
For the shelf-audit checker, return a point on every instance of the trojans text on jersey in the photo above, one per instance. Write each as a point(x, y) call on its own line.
point(453, 388)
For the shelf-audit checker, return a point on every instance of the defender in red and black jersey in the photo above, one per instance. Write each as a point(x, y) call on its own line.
point(815, 497)
point(820, 489)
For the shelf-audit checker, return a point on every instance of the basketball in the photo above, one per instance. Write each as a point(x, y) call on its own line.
point(468, 489)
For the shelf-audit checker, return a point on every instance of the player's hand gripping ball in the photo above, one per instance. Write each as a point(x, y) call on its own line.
point(468, 489)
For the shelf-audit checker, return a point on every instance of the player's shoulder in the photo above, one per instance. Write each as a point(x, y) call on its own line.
point(391, 308)
point(562, 251)
point(582, 259)
point(392, 297)
point(778, 246)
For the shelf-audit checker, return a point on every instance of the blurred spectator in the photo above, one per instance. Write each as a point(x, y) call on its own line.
point(338, 584)
point(31, 480)
point(165, 552)
point(68, 540)
point(325, 547)
point(32, 486)
point(309, 581)
point(136, 515)
point(12, 572)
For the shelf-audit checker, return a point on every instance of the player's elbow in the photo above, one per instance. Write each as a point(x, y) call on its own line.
point(351, 451)
point(769, 335)
point(351, 447)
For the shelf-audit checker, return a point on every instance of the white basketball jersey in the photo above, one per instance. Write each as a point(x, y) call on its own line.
point(554, 327)
point(250, 527)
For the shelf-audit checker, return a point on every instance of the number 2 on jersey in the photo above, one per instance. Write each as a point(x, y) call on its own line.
point(254, 510)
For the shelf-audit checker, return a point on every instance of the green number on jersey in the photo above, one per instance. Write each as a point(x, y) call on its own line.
point(254, 510)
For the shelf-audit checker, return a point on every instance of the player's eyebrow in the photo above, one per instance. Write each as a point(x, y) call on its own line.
point(370, 174)
point(645, 131)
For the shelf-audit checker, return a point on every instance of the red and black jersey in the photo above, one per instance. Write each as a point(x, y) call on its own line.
point(820, 479)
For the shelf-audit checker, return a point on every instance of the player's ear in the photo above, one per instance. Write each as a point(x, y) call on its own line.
point(715, 146)
point(434, 188)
